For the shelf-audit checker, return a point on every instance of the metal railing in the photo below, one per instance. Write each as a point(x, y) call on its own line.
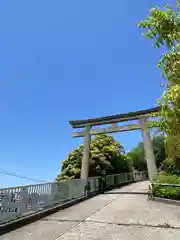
point(23, 200)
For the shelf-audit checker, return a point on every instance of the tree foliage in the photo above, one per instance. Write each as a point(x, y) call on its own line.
point(106, 154)
point(163, 26)
point(138, 154)
point(137, 157)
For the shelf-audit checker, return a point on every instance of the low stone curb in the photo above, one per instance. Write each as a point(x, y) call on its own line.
point(122, 184)
point(164, 200)
point(118, 185)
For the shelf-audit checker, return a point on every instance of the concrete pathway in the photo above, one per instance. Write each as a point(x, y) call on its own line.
point(118, 214)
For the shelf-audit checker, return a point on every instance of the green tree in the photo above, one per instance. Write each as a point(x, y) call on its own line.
point(138, 155)
point(158, 143)
point(106, 154)
point(163, 26)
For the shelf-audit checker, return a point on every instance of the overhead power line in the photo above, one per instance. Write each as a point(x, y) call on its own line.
point(21, 176)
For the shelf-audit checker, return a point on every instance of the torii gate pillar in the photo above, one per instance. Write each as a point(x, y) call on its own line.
point(86, 154)
point(149, 153)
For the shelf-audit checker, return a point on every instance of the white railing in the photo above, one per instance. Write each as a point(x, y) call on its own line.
point(117, 179)
point(94, 184)
point(19, 201)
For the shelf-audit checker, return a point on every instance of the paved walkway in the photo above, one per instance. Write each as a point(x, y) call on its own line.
point(118, 214)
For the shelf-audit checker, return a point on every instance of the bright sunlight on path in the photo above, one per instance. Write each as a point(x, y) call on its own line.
point(119, 214)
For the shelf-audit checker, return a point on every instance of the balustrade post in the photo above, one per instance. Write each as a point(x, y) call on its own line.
point(71, 190)
point(23, 201)
point(54, 192)
point(141, 175)
point(125, 177)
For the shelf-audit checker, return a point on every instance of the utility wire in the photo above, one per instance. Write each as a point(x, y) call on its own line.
point(21, 176)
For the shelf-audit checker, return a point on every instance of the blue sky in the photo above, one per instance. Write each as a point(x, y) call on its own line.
point(64, 60)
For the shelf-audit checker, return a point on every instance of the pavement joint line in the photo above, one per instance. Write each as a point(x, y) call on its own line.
point(84, 220)
point(138, 224)
point(165, 225)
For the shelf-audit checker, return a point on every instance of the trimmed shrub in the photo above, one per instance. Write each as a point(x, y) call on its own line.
point(168, 192)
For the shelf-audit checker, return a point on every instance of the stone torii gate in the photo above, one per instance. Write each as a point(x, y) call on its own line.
point(140, 116)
